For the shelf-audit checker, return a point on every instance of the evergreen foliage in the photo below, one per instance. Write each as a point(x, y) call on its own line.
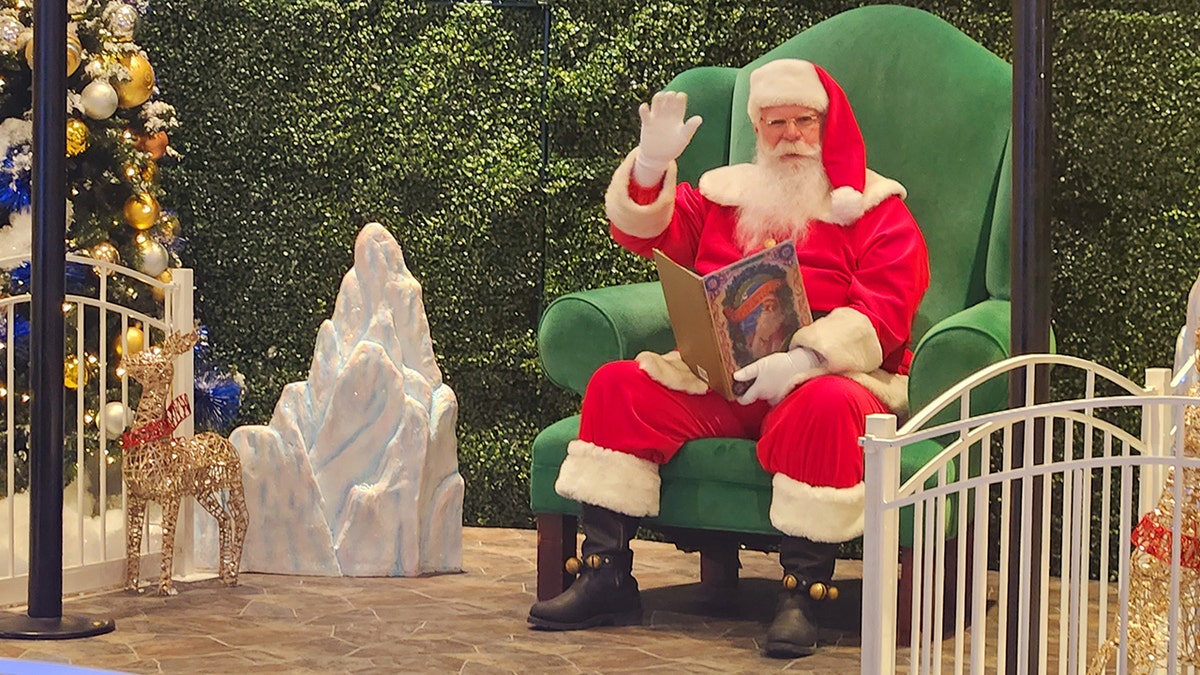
point(304, 119)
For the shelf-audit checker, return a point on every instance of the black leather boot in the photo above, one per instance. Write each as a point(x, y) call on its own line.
point(605, 593)
point(807, 569)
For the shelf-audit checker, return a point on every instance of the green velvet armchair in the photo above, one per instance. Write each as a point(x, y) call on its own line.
point(934, 108)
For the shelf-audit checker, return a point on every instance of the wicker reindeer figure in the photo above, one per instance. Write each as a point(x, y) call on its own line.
point(163, 469)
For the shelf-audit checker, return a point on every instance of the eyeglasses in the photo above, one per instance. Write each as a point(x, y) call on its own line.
point(803, 122)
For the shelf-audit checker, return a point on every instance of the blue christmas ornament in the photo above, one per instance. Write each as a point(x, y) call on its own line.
point(14, 192)
point(218, 396)
point(202, 343)
point(20, 336)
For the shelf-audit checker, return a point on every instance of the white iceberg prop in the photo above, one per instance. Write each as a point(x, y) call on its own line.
point(357, 472)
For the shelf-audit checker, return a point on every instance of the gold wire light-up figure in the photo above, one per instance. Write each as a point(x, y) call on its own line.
point(163, 469)
point(1150, 570)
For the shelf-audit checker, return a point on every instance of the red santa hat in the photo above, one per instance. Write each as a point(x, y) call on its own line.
point(798, 82)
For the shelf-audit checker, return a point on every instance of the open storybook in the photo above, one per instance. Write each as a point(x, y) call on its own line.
point(731, 317)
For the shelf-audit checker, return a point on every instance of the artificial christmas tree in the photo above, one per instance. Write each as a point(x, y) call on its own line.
point(116, 138)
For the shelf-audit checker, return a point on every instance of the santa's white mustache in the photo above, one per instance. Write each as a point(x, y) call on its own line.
point(784, 148)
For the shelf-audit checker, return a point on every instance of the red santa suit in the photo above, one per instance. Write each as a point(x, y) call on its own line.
point(864, 276)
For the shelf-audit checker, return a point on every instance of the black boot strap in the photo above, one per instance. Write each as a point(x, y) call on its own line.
point(816, 589)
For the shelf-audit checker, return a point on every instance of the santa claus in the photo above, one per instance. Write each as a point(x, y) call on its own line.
point(865, 268)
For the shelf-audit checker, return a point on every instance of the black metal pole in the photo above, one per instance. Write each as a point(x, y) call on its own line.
point(1031, 278)
point(48, 281)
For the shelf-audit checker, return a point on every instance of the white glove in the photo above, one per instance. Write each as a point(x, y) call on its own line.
point(776, 375)
point(664, 136)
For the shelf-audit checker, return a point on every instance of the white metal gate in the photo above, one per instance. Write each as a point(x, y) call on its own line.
point(1085, 476)
point(93, 498)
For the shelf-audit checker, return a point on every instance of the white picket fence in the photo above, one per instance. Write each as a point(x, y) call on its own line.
point(94, 502)
point(1087, 465)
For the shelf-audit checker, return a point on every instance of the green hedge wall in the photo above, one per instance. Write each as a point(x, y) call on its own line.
point(304, 119)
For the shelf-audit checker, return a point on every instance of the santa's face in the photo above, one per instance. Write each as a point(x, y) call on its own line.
point(789, 132)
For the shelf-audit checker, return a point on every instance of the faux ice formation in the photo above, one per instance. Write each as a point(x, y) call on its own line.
point(357, 472)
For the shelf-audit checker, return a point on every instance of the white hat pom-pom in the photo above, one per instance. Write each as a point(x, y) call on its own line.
point(846, 204)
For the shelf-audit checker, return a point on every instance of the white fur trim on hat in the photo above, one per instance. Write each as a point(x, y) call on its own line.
point(670, 371)
point(846, 205)
point(785, 82)
point(644, 221)
point(817, 512)
point(615, 480)
point(845, 338)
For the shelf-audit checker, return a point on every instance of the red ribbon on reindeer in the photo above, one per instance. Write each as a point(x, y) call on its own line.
point(161, 428)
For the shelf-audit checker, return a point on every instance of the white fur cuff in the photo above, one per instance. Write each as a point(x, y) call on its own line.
point(847, 205)
point(816, 512)
point(845, 338)
point(644, 221)
point(614, 480)
point(890, 388)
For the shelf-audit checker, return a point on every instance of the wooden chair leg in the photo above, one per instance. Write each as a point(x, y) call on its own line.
point(904, 623)
point(556, 541)
point(719, 564)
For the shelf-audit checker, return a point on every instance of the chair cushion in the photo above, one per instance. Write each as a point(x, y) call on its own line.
point(712, 484)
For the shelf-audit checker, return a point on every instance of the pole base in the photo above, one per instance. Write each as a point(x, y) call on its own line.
point(25, 627)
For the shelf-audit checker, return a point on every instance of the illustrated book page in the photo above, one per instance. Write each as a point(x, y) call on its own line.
point(736, 315)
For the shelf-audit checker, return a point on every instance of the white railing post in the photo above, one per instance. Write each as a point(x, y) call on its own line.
point(881, 545)
point(1157, 421)
point(180, 318)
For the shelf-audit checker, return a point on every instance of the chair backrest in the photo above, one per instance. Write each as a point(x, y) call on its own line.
point(935, 111)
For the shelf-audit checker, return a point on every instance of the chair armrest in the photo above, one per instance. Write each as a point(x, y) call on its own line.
point(957, 346)
point(579, 332)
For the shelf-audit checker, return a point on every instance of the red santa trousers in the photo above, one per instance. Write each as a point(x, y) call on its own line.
point(809, 442)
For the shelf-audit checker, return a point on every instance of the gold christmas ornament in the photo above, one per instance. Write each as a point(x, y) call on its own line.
point(77, 136)
point(160, 293)
point(142, 211)
point(134, 338)
point(159, 468)
point(105, 252)
point(155, 144)
point(74, 372)
point(74, 53)
point(141, 83)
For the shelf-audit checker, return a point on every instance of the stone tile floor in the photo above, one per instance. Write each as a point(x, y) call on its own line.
point(472, 622)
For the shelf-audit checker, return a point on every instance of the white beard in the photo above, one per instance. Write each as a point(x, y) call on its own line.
point(788, 196)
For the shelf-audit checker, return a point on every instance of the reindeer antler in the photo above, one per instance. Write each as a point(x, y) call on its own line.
point(179, 343)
